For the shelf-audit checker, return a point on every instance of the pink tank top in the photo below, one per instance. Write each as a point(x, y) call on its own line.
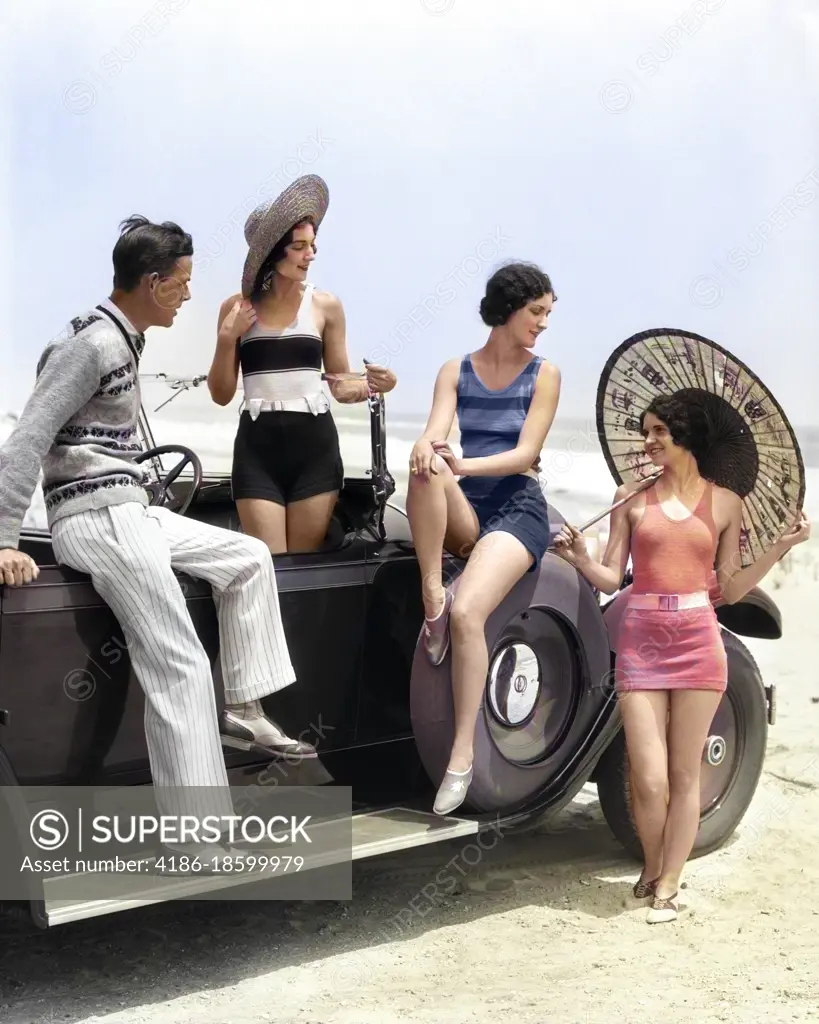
point(674, 556)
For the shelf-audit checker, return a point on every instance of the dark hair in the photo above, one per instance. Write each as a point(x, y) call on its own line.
point(510, 288)
point(277, 253)
point(686, 420)
point(147, 248)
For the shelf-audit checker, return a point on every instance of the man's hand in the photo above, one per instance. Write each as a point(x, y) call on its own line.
point(17, 568)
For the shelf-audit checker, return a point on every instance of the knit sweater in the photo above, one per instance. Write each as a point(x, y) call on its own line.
point(79, 425)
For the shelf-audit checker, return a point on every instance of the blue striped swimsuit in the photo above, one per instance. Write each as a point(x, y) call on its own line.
point(490, 422)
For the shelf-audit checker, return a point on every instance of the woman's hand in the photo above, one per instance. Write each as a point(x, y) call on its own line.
point(380, 379)
point(442, 448)
point(797, 534)
point(422, 460)
point(239, 320)
point(570, 544)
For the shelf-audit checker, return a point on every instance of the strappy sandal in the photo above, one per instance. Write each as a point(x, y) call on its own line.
point(643, 889)
point(662, 910)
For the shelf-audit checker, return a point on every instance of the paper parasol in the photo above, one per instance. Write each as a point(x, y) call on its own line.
point(752, 450)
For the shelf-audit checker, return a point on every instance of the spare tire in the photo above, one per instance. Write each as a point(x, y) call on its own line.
point(733, 760)
point(549, 664)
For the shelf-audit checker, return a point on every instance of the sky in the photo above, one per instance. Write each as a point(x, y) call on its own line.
point(659, 160)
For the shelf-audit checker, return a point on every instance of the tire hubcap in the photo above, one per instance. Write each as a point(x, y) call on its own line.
point(721, 756)
point(532, 688)
point(714, 752)
point(514, 684)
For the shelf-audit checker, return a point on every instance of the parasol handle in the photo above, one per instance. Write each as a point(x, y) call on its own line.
point(602, 515)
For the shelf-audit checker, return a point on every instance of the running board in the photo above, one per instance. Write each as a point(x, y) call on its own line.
point(373, 833)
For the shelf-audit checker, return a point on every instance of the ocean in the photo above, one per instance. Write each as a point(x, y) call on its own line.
point(574, 475)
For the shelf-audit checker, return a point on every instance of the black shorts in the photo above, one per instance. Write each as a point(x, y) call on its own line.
point(286, 457)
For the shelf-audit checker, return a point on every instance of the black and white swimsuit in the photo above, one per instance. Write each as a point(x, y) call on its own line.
point(287, 446)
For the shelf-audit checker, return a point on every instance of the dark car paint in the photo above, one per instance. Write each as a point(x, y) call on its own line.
point(75, 712)
point(352, 614)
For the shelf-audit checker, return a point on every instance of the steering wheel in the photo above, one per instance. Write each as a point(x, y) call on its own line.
point(159, 489)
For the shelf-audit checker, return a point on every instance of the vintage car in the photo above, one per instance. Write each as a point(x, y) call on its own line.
point(380, 714)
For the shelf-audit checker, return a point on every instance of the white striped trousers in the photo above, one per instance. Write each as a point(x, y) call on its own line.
point(129, 551)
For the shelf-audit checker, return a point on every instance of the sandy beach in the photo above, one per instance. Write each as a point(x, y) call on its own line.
point(626, 194)
point(541, 928)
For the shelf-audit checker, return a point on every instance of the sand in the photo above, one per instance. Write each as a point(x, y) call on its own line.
point(541, 931)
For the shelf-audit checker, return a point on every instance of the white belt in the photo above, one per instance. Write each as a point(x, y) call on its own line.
point(313, 403)
point(670, 602)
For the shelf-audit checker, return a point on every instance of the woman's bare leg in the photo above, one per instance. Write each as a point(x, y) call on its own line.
point(265, 520)
point(496, 563)
point(440, 516)
point(308, 521)
point(645, 715)
point(692, 712)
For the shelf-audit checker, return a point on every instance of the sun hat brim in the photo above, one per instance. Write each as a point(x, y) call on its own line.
point(307, 196)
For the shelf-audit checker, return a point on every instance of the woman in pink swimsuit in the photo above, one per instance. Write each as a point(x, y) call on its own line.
point(671, 668)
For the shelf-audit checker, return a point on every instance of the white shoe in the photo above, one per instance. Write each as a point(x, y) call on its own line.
point(260, 735)
point(452, 791)
point(662, 911)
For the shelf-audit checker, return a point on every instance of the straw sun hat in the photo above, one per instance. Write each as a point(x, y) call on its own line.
point(307, 196)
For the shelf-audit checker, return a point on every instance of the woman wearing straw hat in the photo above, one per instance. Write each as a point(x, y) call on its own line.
point(671, 669)
point(280, 331)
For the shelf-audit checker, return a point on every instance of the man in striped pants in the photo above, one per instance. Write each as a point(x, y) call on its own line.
point(80, 425)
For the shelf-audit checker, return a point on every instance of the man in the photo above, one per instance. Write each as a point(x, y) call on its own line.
point(80, 425)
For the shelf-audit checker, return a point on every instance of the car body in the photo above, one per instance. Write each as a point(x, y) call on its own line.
point(381, 716)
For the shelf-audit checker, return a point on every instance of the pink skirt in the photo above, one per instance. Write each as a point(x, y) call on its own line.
point(670, 650)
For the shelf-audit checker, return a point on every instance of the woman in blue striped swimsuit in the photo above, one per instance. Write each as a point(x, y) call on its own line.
point(486, 506)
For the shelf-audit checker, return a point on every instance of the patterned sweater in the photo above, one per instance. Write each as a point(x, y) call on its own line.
point(79, 425)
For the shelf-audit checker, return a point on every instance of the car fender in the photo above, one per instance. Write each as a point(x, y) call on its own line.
point(756, 615)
